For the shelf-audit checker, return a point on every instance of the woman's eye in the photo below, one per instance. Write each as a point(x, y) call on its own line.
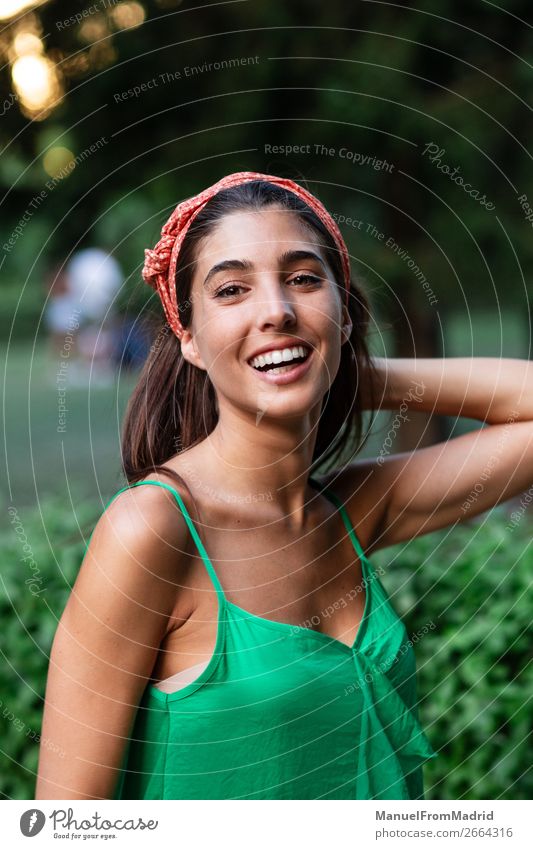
point(308, 278)
point(223, 292)
point(304, 279)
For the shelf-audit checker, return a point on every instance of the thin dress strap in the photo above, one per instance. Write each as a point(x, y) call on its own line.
point(344, 513)
point(194, 533)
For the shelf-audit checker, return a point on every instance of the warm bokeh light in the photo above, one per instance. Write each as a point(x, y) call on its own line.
point(76, 65)
point(27, 42)
point(93, 29)
point(39, 75)
point(101, 55)
point(59, 161)
point(127, 15)
point(37, 84)
point(10, 8)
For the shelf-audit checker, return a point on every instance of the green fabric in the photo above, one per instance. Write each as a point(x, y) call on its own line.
point(285, 712)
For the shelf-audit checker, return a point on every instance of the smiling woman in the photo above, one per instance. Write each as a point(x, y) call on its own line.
point(182, 674)
point(316, 267)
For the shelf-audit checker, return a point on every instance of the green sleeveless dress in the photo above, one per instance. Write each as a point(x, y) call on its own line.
point(285, 712)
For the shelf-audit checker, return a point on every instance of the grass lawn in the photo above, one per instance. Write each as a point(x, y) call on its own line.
point(37, 459)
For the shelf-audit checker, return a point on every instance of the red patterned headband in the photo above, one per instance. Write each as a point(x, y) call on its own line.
point(159, 268)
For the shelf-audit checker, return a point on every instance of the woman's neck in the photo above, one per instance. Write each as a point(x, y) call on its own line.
point(267, 465)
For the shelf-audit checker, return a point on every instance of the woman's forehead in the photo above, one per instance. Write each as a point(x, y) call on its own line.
point(269, 232)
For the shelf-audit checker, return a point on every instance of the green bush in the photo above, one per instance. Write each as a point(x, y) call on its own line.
point(33, 593)
point(472, 581)
point(474, 668)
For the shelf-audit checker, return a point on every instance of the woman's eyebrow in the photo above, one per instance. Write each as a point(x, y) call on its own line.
point(229, 265)
point(286, 258)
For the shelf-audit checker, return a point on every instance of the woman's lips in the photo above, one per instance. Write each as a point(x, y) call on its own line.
point(295, 373)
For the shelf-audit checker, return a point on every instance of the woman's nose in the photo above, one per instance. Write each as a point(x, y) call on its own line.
point(274, 304)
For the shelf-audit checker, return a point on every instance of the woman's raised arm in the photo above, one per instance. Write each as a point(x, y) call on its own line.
point(107, 641)
point(420, 491)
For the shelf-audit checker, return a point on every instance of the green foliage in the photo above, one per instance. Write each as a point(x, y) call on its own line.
point(33, 593)
point(473, 582)
point(474, 668)
point(379, 80)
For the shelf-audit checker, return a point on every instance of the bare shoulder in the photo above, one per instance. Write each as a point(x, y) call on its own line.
point(362, 487)
point(145, 522)
point(119, 611)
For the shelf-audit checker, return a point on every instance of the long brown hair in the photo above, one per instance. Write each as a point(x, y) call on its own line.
point(173, 405)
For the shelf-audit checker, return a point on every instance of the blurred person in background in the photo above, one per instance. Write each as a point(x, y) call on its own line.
point(94, 278)
point(86, 331)
point(61, 315)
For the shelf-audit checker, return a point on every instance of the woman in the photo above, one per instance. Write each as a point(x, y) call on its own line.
point(227, 636)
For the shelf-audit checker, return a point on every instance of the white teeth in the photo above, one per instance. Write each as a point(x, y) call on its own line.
point(281, 356)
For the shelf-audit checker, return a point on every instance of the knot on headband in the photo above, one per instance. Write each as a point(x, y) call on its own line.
point(157, 261)
point(159, 270)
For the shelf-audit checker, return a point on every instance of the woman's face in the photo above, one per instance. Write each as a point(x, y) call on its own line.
point(261, 283)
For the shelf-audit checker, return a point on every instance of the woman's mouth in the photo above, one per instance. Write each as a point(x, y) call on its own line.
point(282, 366)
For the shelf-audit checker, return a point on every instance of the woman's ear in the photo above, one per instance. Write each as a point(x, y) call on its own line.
point(346, 326)
point(190, 351)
